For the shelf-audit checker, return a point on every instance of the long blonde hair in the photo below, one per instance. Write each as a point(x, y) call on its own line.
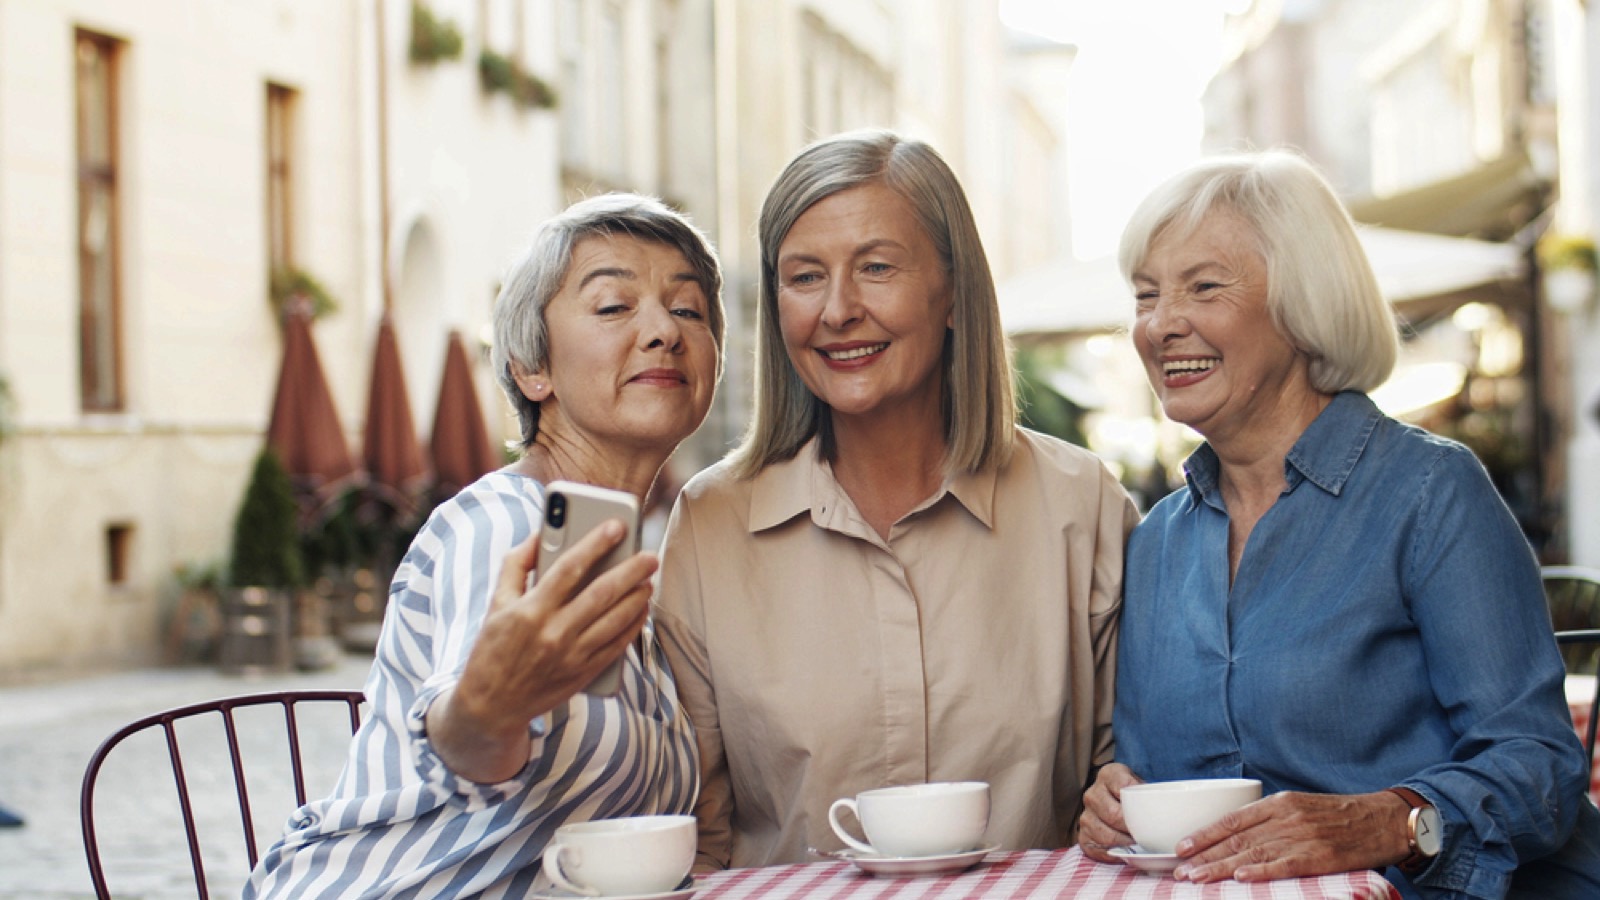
point(978, 398)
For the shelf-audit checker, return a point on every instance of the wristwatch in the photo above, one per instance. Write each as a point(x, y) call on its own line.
point(1424, 831)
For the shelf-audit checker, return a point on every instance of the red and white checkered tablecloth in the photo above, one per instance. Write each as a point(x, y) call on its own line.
point(1023, 875)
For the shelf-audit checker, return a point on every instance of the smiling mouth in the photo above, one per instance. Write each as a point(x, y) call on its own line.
point(1180, 367)
point(854, 352)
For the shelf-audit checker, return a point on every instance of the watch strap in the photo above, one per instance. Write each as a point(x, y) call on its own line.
point(1418, 860)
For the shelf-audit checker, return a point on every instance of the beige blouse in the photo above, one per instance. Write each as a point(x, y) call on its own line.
point(817, 660)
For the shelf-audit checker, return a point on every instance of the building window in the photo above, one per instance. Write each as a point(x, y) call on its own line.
point(99, 313)
point(280, 176)
point(611, 121)
point(574, 86)
point(119, 553)
point(841, 87)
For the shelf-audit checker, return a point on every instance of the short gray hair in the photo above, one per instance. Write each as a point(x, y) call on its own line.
point(980, 409)
point(1321, 291)
point(520, 335)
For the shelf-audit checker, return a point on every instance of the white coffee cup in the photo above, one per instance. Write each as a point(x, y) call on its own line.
point(618, 857)
point(1162, 813)
point(917, 819)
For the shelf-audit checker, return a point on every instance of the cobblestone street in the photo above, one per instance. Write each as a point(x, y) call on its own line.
point(48, 732)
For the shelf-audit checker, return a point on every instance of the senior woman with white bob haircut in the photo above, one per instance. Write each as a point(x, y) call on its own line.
point(1336, 603)
point(888, 582)
point(479, 742)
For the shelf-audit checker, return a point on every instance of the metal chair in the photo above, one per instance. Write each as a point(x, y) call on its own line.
point(1588, 641)
point(225, 707)
point(1573, 593)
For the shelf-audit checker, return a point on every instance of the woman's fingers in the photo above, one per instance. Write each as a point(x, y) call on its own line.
point(1101, 826)
point(1291, 835)
point(514, 569)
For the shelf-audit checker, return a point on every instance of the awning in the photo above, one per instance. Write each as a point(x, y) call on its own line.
point(1421, 275)
point(1491, 201)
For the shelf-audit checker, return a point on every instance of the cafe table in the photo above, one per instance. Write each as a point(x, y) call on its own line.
point(1022, 875)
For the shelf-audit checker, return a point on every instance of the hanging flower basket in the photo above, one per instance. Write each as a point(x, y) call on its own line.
point(289, 283)
point(498, 72)
point(432, 39)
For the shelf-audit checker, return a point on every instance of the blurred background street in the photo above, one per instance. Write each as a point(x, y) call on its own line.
point(49, 731)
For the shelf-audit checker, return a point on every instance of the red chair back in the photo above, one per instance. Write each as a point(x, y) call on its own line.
point(226, 707)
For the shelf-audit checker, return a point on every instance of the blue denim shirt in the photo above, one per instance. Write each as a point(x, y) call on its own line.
point(1386, 627)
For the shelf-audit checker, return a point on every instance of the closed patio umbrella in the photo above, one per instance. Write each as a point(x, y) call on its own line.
point(460, 441)
point(396, 471)
point(304, 429)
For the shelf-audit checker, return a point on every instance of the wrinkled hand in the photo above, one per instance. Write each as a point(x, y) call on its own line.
point(537, 648)
point(1294, 835)
point(1101, 826)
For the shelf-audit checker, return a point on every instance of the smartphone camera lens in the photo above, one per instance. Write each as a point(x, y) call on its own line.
point(556, 514)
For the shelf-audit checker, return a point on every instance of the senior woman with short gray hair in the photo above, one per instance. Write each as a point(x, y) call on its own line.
point(478, 743)
point(1336, 604)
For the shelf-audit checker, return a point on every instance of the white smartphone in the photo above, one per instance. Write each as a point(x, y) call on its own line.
point(572, 510)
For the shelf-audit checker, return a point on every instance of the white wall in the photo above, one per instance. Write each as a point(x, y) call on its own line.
point(472, 173)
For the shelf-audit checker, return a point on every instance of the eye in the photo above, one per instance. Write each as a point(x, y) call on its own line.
point(877, 268)
point(1206, 286)
point(803, 279)
point(688, 312)
point(611, 309)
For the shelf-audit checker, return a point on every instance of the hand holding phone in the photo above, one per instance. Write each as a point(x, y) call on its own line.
point(572, 510)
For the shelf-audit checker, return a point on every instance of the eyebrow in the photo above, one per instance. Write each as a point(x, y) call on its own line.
point(858, 250)
point(1185, 275)
point(629, 275)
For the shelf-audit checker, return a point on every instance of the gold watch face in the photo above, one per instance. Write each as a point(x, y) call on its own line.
point(1429, 831)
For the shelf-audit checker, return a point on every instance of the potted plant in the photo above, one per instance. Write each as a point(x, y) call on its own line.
point(1569, 262)
point(265, 572)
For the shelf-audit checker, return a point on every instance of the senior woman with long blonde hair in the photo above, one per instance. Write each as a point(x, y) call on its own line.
point(479, 742)
point(1336, 603)
point(889, 581)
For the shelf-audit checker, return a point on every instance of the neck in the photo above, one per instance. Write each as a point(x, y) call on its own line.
point(1251, 458)
point(554, 457)
point(888, 464)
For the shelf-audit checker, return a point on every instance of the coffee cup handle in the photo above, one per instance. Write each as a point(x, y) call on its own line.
point(552, 869)
point(833, 820)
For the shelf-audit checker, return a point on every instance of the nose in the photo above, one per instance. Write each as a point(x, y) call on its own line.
point(660, 328)
point(842, 306)
point(1163, 322)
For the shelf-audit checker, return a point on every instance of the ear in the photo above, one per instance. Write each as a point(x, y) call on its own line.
point(534, 385)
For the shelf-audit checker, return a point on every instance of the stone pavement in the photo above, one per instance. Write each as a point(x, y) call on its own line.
point(49, 731)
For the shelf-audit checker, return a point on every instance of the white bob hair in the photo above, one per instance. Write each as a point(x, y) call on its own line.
point(1321, 292)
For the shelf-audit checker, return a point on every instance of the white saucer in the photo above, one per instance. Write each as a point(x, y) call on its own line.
point(1144, 861)
point(873, 864)
point(548, 891)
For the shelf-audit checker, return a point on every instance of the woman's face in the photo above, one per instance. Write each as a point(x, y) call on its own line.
point(1209, 346)
point(864, 304)
point(632, 360)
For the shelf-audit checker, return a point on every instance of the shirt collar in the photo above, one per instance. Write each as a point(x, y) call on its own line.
point(1325, 454)
point(805, 483)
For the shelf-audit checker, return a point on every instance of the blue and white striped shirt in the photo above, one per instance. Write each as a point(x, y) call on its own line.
point(399, 822)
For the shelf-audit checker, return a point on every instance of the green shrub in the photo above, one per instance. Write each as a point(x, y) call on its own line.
point(266, 537)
